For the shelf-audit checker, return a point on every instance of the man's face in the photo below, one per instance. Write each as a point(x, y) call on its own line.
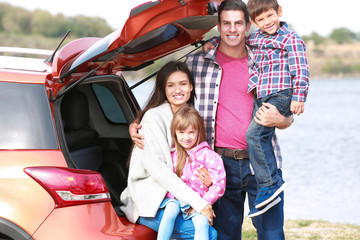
point(232, 28)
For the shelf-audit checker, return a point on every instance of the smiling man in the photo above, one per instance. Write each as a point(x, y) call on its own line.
point(221, 79)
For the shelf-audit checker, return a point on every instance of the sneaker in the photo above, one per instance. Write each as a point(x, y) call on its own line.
point(256, 212)
point(268, 194)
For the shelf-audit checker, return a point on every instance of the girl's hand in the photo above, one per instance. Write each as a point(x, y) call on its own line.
point(204, 176)
point(208, 212)
point(189, 211)
point(135, 136)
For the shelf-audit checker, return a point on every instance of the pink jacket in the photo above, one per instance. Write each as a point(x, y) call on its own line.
point(203, 156)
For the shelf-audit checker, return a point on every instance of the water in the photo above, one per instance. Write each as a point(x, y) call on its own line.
point(321, 153)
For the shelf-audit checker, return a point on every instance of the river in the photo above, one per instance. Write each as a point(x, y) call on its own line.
point(321, 162)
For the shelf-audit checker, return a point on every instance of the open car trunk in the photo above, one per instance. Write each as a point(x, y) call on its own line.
point(93, 103)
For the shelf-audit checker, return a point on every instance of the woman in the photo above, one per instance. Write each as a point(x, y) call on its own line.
point(150, 172)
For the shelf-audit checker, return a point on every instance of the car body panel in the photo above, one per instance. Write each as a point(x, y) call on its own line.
point(23, 76)
point(104, 224)
point(22, 205)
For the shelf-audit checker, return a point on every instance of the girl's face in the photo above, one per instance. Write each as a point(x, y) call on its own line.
point(187, 138)
point(178, 90)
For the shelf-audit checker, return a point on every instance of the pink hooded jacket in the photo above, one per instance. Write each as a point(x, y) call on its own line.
point(203, 156)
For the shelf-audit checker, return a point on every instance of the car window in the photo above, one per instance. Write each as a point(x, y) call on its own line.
point(109, 105)
point(25, 117)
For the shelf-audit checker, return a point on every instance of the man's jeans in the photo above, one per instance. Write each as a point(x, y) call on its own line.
point(259, 140)
point(229, 209)
point(183, 229)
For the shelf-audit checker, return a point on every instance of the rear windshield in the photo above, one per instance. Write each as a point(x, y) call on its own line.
point(25, 117)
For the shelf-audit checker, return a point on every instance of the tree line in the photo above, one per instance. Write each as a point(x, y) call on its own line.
point(338, 35)
point(40, 22)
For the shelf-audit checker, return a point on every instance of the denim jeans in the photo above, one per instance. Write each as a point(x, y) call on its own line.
point(183, 229)
point(259, 140)
point(229, 209)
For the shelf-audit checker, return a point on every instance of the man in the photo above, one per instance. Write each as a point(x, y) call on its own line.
point(221, 77)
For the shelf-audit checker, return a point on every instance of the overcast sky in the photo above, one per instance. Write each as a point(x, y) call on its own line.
point(306, 16)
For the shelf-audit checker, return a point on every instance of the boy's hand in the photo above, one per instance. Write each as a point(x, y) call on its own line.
point(135, 136)
point(296, 107)
point(207, 46)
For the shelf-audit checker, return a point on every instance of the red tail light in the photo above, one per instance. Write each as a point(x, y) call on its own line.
point(70, 187)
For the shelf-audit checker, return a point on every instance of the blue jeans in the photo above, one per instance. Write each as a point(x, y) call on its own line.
point(172, 210)
point(259, 140)
point(229, 209)
point(183, 229)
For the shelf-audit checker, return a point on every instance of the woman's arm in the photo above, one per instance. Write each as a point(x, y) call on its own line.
point(157, 161)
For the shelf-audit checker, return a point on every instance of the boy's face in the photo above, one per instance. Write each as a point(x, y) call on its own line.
point(269, 21)
point(232, 28)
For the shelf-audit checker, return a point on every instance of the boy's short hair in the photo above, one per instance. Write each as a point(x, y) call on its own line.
point(228, 5)
point(257, 7)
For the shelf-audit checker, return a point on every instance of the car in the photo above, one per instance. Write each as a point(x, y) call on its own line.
point(64, 118)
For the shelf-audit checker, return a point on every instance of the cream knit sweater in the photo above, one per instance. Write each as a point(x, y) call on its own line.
point(150, 173)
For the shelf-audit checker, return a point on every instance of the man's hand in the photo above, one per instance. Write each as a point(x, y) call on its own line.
point(269, 116)
point(296, 107)
point(204, 176)
point(208, 212)
point(135, 136)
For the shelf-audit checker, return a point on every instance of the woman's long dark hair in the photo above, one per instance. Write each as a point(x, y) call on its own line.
point(158, 96)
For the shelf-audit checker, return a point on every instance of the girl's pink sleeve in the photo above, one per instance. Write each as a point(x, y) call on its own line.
point(216, 168)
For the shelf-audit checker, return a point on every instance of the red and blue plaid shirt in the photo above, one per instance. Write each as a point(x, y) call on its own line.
point(207, 74)
point(280, 63)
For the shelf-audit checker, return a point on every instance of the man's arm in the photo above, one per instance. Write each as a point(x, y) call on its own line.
point(269, 116)
point(134, 134)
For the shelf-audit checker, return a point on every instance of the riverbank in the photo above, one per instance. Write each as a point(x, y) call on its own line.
point(309, 230)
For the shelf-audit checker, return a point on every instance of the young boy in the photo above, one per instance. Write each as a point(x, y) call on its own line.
point(280, 77)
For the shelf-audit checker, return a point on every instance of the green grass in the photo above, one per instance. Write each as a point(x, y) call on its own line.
point(309, 230)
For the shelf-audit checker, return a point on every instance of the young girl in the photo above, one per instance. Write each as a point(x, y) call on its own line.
point(192, 152)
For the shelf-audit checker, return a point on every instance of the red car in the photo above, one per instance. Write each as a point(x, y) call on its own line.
point(64, 139)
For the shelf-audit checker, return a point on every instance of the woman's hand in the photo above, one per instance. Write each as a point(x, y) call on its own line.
point(204, 176)
point(135, 136)
point(207, 46)
point(208, 212)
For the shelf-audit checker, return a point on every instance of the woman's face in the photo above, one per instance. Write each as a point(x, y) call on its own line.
point(178, 90)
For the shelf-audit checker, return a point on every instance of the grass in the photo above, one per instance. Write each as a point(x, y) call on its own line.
point(309, 230)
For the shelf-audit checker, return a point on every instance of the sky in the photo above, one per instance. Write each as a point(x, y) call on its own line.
point(305, 16)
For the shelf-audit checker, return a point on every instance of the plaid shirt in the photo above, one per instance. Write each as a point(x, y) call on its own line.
point(207, 77)
point(281, 63)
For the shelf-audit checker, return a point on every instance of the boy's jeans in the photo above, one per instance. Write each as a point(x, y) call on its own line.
point(259, 140)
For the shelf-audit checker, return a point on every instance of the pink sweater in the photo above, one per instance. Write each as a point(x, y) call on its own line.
point(203, 156)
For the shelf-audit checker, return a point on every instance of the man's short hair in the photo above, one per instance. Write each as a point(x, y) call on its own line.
point(228, 5)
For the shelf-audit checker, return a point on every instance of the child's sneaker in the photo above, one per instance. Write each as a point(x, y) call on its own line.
point(267, 194)
point(256, 212)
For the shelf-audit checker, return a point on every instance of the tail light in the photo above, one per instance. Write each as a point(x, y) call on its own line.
point(70, 187)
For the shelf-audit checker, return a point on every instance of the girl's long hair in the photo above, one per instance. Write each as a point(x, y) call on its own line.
point(158, 96)
point(183, 118)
